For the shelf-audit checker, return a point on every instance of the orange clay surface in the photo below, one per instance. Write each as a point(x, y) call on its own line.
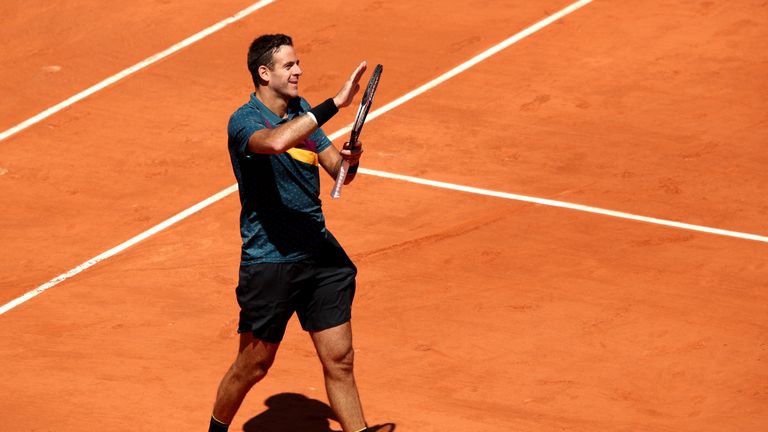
point(473, 313)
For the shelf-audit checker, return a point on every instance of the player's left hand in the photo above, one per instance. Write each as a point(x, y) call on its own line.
point(351, 153)
point(350, 88)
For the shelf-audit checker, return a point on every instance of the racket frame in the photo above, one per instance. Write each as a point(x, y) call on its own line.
point(357, 127)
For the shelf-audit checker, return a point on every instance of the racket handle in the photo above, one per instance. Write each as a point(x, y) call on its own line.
point(343, 169)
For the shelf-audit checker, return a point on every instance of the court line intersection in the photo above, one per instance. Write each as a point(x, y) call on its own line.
point(376, 113)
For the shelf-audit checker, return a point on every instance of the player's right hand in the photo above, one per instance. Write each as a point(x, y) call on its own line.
point(352, 153)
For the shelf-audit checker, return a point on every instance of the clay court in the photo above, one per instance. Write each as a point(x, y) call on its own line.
point(567, 233)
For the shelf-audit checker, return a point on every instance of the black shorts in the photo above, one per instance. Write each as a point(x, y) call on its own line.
point(320, 290)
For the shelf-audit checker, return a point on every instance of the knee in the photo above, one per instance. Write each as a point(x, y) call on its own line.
point(340, 363)
point(249, 371)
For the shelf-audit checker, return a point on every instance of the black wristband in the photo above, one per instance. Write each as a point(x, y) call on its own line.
point(324, 111)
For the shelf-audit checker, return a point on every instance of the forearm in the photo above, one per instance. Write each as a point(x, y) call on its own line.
point(284, 137)
point(351, 171)
point(293, 132)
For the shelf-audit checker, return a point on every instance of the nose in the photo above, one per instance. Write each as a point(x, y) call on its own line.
point(297, 70)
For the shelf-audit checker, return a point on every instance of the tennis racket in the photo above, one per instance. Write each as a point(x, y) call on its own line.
point(357, 126)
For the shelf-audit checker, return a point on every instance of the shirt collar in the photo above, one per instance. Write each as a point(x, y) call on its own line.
point(294, 109)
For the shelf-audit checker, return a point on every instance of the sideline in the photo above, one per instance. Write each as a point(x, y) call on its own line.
point(226, 192)
point(133, 69)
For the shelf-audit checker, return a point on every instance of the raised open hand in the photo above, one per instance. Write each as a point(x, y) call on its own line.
point(351, 87)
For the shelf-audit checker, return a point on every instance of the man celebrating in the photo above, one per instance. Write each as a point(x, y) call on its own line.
point(289, 262)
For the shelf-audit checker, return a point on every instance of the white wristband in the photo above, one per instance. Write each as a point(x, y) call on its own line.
point(312, 116)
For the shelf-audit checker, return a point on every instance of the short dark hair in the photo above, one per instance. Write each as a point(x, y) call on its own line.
point(262, 50)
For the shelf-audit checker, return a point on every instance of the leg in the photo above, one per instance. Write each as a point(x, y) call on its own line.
point(334, 348)
point(254, 359)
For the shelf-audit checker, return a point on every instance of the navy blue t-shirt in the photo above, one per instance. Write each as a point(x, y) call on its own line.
point(281, 218)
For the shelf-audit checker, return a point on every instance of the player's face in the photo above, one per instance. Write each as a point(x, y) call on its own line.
point(285, 72)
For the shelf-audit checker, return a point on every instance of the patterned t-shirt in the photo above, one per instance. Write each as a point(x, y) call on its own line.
point(281, 219)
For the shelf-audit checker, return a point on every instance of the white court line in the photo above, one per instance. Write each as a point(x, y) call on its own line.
point(469, 63)
point(119, 248)
point(567, 205)
point(453, 72)
point(397, 102)
point(133, 69)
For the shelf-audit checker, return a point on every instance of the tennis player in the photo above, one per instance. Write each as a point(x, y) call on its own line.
point(290, 262)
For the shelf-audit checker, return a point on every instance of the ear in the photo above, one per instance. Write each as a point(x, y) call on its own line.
point(264, 73)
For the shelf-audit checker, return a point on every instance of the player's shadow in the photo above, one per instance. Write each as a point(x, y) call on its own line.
point(292, 412)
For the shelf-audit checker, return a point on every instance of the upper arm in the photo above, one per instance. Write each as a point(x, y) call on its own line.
point(241, 128)
point(262, 141)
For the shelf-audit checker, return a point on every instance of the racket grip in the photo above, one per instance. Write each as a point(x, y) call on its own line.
point(343, 169)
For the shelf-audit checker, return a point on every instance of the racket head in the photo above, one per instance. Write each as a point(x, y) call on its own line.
point(365, 103)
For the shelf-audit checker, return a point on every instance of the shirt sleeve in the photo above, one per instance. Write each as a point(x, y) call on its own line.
point(240, 128)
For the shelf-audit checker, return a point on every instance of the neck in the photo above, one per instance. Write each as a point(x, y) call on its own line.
point(276, 103)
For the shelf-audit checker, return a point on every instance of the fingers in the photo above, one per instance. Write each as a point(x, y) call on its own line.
point(353, 147)
point(351, 158)
point(352, 153)
point(355, 78)
point(351, 87)
point(358, 73)
point(355, 89)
